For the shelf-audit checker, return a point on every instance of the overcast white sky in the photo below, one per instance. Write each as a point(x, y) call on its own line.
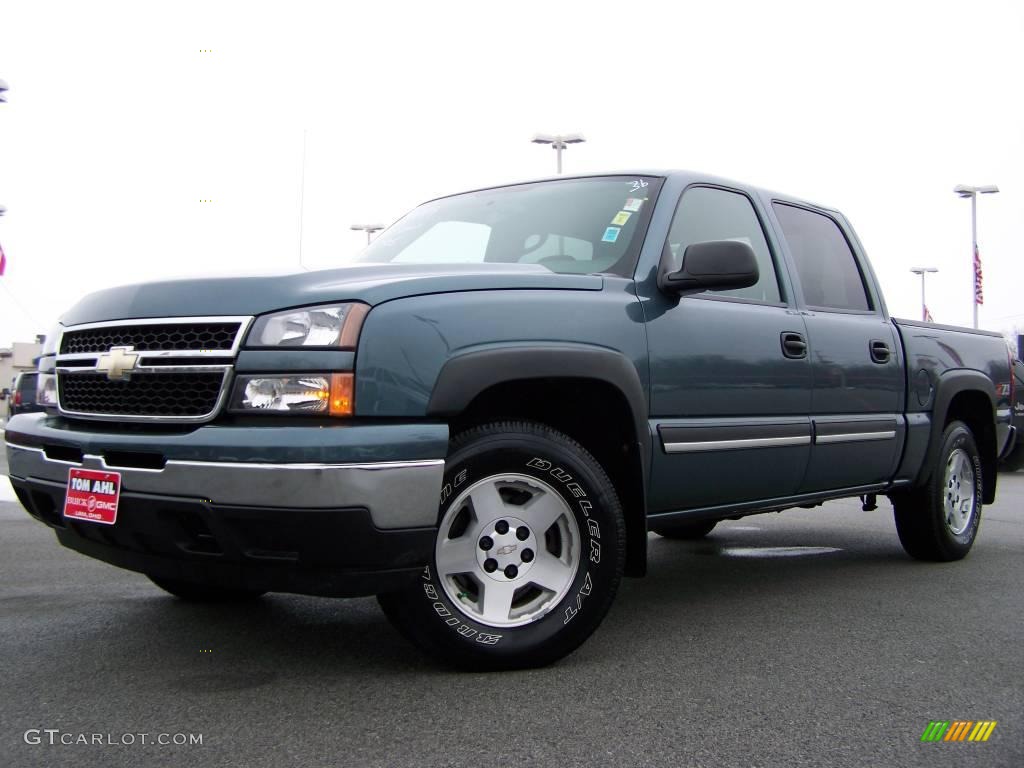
point(117, 125)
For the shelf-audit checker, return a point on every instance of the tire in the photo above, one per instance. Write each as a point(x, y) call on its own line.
point(556, 566)
point(940, 521)
point(194, 592)
point(694, 529)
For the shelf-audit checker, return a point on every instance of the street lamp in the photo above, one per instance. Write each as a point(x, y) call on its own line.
point(922, 271)
point(369, 229)
point(558, 142)
point(972, 192)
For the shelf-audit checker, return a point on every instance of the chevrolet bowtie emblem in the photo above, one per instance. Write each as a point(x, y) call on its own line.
point(117, 363)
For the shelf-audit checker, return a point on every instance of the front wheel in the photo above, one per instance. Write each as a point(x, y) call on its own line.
point(940, 520)
point(529, 552)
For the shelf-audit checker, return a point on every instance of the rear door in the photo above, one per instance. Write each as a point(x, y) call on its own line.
point(728, 402)
point(857, 395)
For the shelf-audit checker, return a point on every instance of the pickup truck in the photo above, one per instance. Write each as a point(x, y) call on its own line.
point(481, 420)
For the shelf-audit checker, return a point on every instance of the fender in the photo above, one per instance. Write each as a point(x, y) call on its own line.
point(951, 384)
point(465, 376)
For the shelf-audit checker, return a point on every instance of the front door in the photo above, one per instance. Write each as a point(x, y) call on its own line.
point(730, 376)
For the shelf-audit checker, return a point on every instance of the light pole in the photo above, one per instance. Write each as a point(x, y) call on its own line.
point(558, 142)
point(922, 271)
point(369, 229)
point(972, 192)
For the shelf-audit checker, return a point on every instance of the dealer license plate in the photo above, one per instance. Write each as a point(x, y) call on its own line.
point(92, 495)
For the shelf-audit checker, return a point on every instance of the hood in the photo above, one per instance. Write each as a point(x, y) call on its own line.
point(369, 283)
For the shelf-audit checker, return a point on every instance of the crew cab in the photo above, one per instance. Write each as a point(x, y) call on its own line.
point(482, 418)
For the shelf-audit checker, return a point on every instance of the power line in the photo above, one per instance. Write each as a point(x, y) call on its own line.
point(16, 300)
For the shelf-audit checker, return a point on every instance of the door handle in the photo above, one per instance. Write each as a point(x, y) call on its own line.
point(793, 345)
point(880, 352)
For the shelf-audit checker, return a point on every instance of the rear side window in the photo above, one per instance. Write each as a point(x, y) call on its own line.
point(27, 386)
point(827, 268)
point(707, 213)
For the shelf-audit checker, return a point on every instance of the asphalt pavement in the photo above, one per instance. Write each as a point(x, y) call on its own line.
point(805, 638)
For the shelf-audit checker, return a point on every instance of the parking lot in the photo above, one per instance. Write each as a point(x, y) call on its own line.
point(806, 638)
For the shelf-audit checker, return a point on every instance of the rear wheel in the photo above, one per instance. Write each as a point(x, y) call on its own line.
point(529, 552)
point(940, 521)
point(697, 529)
point(195, 592)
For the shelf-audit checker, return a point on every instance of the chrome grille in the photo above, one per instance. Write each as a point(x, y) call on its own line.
point(156, 370)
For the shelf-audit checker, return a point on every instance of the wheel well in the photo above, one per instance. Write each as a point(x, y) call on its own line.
point(595, 414)
point(974, 409)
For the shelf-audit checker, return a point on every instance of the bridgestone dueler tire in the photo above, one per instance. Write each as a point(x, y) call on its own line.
point(690, 530)
point(193, 592)
point(920, 514)
point(426, 615)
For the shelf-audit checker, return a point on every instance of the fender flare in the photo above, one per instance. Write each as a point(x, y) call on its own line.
point(466, 375)
point(950, 385)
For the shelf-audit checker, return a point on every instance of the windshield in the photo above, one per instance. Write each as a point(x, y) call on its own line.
point(572, 226)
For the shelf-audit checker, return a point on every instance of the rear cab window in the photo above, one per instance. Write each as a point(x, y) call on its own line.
point(828, 271)
point(27, 387)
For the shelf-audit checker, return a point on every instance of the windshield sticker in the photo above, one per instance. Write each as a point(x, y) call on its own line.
point(633, 204)
point(611, 235)
point(637, 185)
point(621, 218)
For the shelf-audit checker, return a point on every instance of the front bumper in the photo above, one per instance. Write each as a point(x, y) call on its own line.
point(360, 519)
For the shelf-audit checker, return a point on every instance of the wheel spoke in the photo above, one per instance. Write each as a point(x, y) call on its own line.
point(496, 600)
point(487, 502)
point(542, 511)
point(456, 556)
point(549, 572)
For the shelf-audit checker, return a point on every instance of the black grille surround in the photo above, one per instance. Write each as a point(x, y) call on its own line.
point(156, 395)
point(156, 337)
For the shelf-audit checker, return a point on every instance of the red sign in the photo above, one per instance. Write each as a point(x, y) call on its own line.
point(92, 495)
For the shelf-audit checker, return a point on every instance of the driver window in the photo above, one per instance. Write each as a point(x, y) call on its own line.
point(706, 214)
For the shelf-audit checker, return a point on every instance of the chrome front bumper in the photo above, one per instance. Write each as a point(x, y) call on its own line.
point(398, 494)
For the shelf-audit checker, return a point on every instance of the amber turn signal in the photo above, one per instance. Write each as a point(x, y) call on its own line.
point(342, 394)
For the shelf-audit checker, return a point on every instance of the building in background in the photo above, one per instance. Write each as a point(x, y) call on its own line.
point(20, 357)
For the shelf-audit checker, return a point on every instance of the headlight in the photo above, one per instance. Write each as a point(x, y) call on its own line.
point(336, 326)
point(328, 394)
point(46, 390)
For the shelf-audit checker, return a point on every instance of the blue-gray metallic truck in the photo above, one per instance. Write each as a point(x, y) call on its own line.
point(481, 420)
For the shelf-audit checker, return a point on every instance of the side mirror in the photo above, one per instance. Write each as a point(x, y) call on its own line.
point(718, 265)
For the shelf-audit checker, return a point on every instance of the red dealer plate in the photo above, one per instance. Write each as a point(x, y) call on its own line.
point(92, 495)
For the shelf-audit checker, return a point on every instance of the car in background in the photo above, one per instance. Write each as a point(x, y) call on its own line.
point(1015, 459)
point(23, 394)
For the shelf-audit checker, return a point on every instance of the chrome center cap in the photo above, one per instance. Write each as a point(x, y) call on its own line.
point(506, 549)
